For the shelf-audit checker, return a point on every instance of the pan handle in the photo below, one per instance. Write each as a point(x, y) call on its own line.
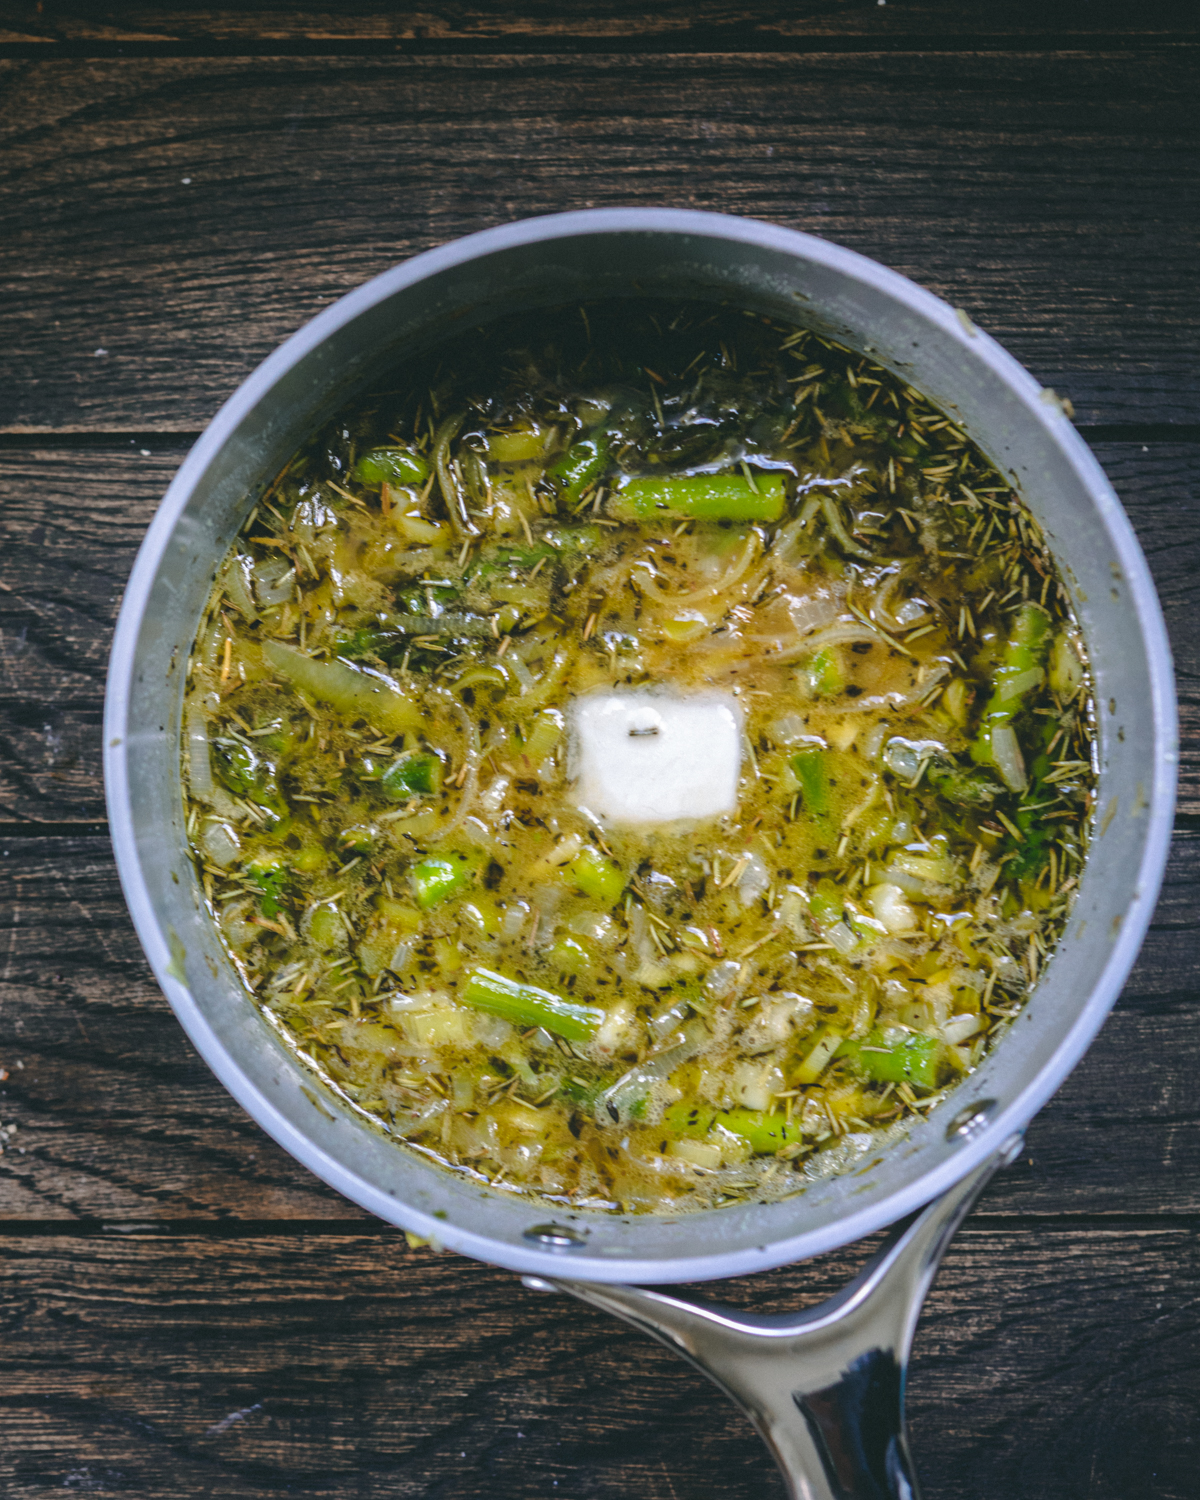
point(824, 1387)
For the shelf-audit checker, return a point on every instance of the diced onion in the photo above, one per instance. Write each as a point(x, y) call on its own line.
point(1066, 669)
point(958, 1028)
point(614, 1104)
point(788, 730)
point(274, 580)
point(1010, 689)
point(755, 879)
point(722, 977)
point(842, 938)
point(888, 903)
point(220, 843)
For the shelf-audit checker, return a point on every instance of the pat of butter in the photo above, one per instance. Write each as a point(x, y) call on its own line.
point(655, 757)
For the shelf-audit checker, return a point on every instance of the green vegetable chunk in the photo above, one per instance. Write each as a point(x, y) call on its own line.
point(764, 1133)
point(914, 1059)
point(583, 539)
point(824, 676)
point(520, 445)
point(1019, 673)
point(352, 692)
point(248, 774)
point(439, 876)
point(527, 1005)
point(391, 466)
point(598, 877)
point(813, 776)
point(582, 464)
point(962, 787)
point(415, 774)
point(358, 838)
point(1020, 669)
point(828, 901)
point(270, 874)
point(704, 497)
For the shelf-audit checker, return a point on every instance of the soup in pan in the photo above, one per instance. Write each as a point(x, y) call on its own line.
point(640, 757)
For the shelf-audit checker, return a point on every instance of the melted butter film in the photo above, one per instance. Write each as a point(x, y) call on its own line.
point(638, 500)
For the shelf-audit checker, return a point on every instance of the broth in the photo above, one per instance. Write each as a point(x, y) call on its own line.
point(641, 757)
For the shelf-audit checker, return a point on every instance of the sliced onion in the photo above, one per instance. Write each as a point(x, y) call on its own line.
point(200, 774)
point(236, 582)
point(887, 902)
point(883, 702)
point(908, 613)
point(958, 1028)
point(833, 519)
point(1006, 753)
point(642, 578)
point(831, 635)
point(639, 932)
point(614, 1104)
point(522, 673)
point(473, 754)
point(450, 480)
point(274, 580)
point(842, 938)
point(721, 978)
point(1066, 669)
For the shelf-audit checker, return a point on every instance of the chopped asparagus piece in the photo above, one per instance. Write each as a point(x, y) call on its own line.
point(582, 463)
point(391, 466)
point(352, 692)
point(704, 497)
point(764, 1133)
point(813, 775)
point(439, 876)
point(527, 1005)
point(913, 1059)
point(597, 876)
point(417, 773)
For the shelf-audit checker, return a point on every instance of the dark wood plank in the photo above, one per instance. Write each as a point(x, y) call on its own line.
point(72, 523)
point(119, 1120)
point(185, 215)
point(73, 518)
point(683, 23)
point(1050, 1365)
point(117, 1116)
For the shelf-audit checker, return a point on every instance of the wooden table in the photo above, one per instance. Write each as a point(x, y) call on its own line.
point(185, 1312)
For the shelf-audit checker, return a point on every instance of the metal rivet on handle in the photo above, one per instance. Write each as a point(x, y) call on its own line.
point(970, 1122)
point(556, 1237)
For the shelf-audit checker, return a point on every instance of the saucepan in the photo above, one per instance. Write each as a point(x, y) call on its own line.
point(826, 1387)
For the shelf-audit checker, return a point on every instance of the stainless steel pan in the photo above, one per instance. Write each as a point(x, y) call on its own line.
point(826, 1389)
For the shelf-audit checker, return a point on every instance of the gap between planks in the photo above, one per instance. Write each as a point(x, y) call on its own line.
point(243, 1229)
point(702, 42)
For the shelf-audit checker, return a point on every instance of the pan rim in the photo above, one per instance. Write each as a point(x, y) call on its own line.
point(778, 1251)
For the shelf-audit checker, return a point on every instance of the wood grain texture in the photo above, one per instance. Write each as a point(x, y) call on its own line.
point(182, 216)
point(678, 23)
point(1050, 1365)
point(186, 1313)
point(119, 1120)
point(72, 520)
